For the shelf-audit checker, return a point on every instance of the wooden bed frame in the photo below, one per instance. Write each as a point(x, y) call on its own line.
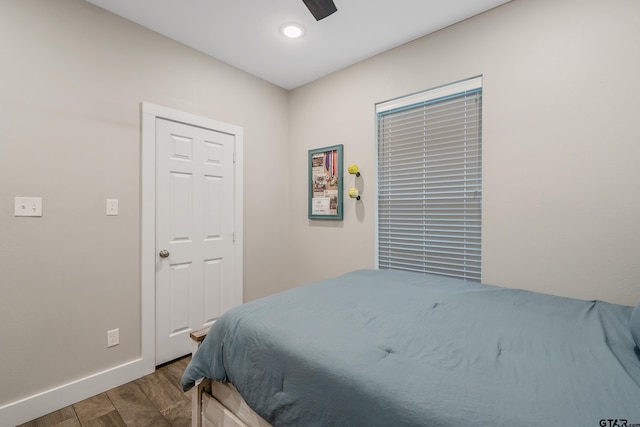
point(216, 404)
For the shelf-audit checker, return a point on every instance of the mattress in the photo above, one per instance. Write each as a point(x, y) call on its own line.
point(381, 348)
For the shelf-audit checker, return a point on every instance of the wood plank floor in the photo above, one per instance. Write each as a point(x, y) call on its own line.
point(155, 400)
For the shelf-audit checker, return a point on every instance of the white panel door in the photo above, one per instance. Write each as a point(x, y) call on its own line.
point(194, 232)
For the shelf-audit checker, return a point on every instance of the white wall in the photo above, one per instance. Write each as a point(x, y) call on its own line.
point(73, 77)
point(560, 109)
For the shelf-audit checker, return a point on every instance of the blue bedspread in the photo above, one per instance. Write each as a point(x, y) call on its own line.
point(389, 348)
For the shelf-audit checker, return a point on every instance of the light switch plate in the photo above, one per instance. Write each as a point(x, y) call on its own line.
point(112, 207)
point(28, 206)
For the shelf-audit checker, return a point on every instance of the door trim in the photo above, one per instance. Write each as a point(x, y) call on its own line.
point(149, 114)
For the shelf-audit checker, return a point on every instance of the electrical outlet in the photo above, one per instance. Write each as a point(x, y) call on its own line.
point(113, 337)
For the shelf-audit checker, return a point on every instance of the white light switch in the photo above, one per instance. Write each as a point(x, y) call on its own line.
point(28, 206)
point(112, 207)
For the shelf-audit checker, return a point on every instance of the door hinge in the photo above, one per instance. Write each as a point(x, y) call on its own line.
point(234, 157)
point(233, 236)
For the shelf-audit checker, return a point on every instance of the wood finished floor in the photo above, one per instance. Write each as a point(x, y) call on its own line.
point(155, 400)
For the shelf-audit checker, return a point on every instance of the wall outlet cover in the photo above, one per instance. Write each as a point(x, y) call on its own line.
point(113, 337)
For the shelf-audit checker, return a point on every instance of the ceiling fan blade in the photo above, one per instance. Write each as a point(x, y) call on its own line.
point(320, 9)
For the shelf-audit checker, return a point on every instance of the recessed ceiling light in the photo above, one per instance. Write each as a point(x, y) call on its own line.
point(292, 31)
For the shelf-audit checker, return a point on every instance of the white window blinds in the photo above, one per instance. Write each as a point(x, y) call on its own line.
point(430, 181)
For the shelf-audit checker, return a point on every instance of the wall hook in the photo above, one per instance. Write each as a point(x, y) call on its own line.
point(354, 193)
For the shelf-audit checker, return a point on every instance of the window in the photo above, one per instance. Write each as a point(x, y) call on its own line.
point(430, 181)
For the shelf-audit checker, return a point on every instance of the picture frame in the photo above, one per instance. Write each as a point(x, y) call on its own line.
point(325, 183)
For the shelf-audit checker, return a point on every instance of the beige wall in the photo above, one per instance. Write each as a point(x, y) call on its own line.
point(561, 190)
point(73, 77)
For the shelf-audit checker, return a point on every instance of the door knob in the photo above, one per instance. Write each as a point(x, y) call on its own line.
point(164, 253)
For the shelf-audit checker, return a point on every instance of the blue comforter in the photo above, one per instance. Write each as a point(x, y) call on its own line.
point(389, 348)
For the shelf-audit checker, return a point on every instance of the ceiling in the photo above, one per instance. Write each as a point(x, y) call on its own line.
point(245, 33)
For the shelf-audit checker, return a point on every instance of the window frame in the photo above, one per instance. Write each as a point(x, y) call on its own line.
point(452, 90)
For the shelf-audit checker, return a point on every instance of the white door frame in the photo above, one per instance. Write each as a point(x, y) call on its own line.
point(149, 113)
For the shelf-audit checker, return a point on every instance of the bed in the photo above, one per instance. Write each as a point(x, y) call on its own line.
point(383, 348)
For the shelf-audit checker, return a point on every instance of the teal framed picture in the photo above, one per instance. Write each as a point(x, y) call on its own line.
point(325, 183)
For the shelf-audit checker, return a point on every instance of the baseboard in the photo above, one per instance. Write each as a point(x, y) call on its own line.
point(43, 403)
